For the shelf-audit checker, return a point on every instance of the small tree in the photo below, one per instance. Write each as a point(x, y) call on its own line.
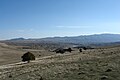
point(84, 48)
point(80, 50)
point(69, 49)
point(60, 51)
point(28, 56)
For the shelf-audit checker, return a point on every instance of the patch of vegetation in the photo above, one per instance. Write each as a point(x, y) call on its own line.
point(28, 56)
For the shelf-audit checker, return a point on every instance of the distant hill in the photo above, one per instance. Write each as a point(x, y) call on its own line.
point(18, 39)
point(84, 39)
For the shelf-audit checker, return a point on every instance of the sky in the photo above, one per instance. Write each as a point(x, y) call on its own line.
point(48, 18)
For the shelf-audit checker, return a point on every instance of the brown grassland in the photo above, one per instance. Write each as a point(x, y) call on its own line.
point(91, 64)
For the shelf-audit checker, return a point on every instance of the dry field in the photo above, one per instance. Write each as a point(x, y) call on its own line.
point(94, 64)
point(12, 54)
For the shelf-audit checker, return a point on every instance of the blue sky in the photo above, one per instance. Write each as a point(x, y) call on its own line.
point(48, 18)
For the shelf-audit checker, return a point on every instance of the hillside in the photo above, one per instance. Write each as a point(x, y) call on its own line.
point(95, 64)
point(12, 54)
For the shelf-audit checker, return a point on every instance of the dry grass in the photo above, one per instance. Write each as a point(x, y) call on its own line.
point(96, 64)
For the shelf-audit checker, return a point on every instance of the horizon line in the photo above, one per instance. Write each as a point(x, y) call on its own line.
point(60, 36)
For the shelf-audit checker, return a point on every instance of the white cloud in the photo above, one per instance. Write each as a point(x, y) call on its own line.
point(74, 27)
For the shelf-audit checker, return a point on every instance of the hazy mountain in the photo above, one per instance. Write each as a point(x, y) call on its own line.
point(85, 39)
point(18, 39)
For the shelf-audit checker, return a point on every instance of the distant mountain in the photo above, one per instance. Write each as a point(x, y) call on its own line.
point(84, 39)
point(18, 39)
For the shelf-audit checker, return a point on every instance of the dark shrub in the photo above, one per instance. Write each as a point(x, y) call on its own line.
point(80, 50)
point(108, 70)
point(84, 48)
point(69, 49)
point(28, 56)
point(41, 78)
point(104, 78)
point(81, 73)
point(10, 76)
point(61, 51)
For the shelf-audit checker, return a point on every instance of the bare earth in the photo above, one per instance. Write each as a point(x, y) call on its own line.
point(95, 64)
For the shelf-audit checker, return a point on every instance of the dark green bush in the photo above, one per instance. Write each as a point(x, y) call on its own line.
point(80, 50)
point(28, 56)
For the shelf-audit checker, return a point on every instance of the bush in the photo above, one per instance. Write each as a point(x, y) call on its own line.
point(84, 48)
point(60, 51)
point(28, 56)
point(80, 50)
point(69, 49)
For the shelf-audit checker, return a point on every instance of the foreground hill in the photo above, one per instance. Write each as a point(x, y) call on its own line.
point(12, 54)
point(9, 54)
point(95, 64)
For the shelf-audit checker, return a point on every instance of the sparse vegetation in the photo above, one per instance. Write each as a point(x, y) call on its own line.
point(62, 50)
point(69, 50)
point(92, 65)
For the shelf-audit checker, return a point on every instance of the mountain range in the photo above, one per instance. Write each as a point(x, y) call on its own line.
point(83, 39)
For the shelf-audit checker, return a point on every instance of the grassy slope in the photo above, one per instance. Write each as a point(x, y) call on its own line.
point(12, 54)
point(99, 64)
